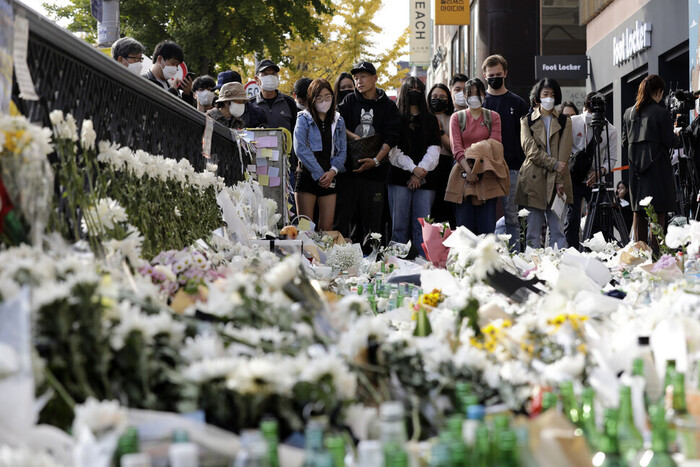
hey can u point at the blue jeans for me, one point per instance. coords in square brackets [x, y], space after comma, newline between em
[479, 219]
[510, 212]
[406, 207]
[536, 220]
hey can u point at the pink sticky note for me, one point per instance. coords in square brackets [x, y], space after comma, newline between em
[274, 181]
[262, 170]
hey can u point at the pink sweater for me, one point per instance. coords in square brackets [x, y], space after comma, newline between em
[474, 131]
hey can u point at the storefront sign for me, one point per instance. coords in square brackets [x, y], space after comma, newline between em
[631, 43]
[420, 32]
[455, 12]
[561, 66]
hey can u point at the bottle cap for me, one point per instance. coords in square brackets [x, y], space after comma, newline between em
[180, 436]
[476, 412]
[643, 340]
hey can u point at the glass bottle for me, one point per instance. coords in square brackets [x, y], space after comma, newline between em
[335, 445]
[588, 423]
[128, 444]
[549, 401]
[682, 422]
[482, 451]
[569, 403]
[658, 455]
[370, 297]
[269, 429]
[393, 431]
[629, 438]
[462, 389]
[253, 452]
[670, 370]
[458, 450]
[501, 423]
[652, 383]
[608, 454]
[507, 449]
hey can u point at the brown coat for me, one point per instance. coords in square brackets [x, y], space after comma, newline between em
[486, 160]
[538, 176]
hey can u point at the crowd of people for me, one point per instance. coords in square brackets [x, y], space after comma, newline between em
[465, 153]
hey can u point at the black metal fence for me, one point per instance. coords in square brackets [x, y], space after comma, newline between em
[74, 77]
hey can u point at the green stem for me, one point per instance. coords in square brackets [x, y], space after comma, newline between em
[59, 388]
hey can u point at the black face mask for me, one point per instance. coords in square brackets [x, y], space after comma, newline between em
[414, 97]
[495, 83]
[438, 105]
[342, 94]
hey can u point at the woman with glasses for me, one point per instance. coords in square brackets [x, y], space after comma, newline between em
[440, 104]
[410, 180]
[320, 144]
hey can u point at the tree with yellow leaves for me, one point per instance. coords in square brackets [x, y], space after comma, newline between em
[347, 39]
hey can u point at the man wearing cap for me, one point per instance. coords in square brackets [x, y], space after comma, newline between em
[362, 192]
[280, 109]
[252, 117]
[230, 106]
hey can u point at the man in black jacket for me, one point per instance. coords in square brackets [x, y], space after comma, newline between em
[167, 57]
[362, 190]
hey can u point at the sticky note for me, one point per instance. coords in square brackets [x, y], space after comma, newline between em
[263, 180]
[266, 153]
[267, 141]
[273, 171]
[275, 155]
[262, 170]
[274, 181]
[260, 161]
[251, 168]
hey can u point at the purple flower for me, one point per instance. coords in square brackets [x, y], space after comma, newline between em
[665, 262]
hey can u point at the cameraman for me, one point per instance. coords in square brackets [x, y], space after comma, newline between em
[583, 165]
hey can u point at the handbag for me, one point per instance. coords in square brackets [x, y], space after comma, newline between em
[363, 148]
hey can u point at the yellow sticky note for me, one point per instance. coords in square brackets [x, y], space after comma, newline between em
[266, 153]
[264, 180]
[304, 224]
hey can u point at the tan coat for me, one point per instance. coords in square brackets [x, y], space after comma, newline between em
[486, 159]
[538, 178]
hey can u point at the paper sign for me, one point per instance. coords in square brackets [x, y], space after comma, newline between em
[304, 224]
[263, 180]
[267, 141]
[262, 170]
[266, 153]
[273, 171]
[274, 181]
[275, 156]
[251, 168]
[206, 139]
[260, 161]
[19, 55]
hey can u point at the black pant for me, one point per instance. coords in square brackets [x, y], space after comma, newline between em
[359, 208]
[572, 227]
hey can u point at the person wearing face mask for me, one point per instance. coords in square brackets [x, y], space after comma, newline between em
[203, 90]
[647, 133]
[230, 106]
[583, 181]
[440, 104]
[410, 179]
[474, 193]
[129, 52]
[167, 57]
[459, 94]
[280, 109]
[344, 85]
[511, 109]
[321, 145]
[301, 89]
[546, 140]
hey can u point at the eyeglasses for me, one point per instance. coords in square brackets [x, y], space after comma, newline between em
[136, 59]
[320, 100]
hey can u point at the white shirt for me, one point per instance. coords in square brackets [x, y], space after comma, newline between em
[402, 161]
[583, 133]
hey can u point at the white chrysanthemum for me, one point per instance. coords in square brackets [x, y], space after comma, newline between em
[25, 457]
[316, 368]
[344, 257]
[49, 292]
[212, 167]
[284, 272]
[99, 416]
[176, 211]
[270, 374]
[56, 117]
[202, 346]
[88, 135]
[375, 236]
[355, 339]
[131, 319]
[523, 213]
[103, 216]
[646, 201]
[485, 257]
[211, 368]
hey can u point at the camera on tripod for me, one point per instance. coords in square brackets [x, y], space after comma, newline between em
[680, 103]
[597, 106]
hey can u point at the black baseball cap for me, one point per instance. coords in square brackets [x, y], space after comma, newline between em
[364, 66]
[264, 64]
[229, 76]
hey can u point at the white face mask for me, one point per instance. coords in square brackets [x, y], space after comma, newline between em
[474, 102]
[547, 103]
[587, 117]
[135, 68]
[205, 97]
[323, 107]
[269, 82]
[169, 71]
[301, 106]
[459, 99]
[236, 109]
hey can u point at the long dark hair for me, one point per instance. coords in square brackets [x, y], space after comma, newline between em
[404, 107]
[336, 85]
[647, 87]
[551, 84]
[450, 105]
[315, 88]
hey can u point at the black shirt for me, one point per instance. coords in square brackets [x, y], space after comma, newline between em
[324, 155]
[418, 132]
[510, 108]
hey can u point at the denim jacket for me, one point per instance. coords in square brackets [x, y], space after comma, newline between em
[307, 140]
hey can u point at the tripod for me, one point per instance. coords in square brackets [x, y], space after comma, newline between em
[686, 177]
[603, 212]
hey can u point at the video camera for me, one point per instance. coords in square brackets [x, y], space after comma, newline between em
[596, 104]
[680, 103]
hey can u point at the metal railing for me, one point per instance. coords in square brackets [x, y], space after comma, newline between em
[72, 76]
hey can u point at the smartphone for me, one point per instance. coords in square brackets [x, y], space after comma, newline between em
[190, 75]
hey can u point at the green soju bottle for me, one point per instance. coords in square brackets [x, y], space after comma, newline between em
[335, 444]
[549, 401]
[658, 455]
[393, 433]
[631, 441]
[458, 450]
[269, 429]
[683, 423]
[507, 449]
[608, 454]
[569, 403]
[588, 418]
[482, 449]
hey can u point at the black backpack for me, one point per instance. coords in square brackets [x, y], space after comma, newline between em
[581, 162]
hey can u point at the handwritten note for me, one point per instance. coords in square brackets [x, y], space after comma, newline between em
[262, 170]
[260, 161]
[19, 56]
[267, 141]
[275, 156]
[264, 180]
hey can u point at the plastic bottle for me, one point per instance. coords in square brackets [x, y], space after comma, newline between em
[393, 431]
[440, 452]
[652, 383]
[182, 453]
[314, 453]
[270, 429]
[128, 444]
[253, 452]
[369, 454]
[691, 270]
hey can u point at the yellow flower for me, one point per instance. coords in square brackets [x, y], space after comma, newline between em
[490, 345]
[490, 329]
[582, 348]
[506, 323]
[14, 141]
